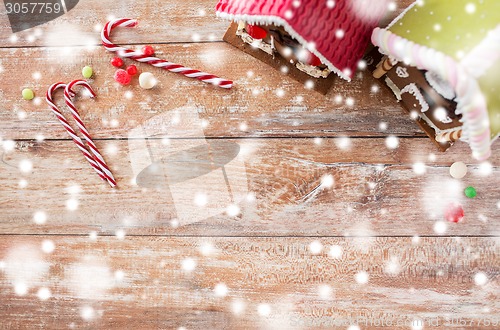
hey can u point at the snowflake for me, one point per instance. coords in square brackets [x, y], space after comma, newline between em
[315, 247]
[207, 249]
[392, 267]
[48, 246]
[201, 199]
[43, 293]
[327, 181]
[485, 169]
[233, 210]
[419, 168]
[480, 278]
[238, 306]
[72, 204]
[119, 275]
[188, 264]
[335, 252]
[325, 291]
[120, 234]
[40, 217]
[87, 313]
[343, 143]
[25, 166]
[309, 84]
[221, 290]
[264, 309]
[392, 142]
[470, 8]
[440, 227]
[362, 277]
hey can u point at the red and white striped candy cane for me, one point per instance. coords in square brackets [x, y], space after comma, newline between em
[154, 61]
[68, 94]
[50, 100]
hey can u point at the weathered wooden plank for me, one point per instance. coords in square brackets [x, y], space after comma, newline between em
[268, 187]
[170, 21]
[242, 283]
[263, 104]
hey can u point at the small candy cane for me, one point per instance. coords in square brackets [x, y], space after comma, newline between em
[69, 129]
[154, 61]
[68, 94]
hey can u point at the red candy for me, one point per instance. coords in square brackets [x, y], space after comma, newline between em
[122, 77]
[117, 62]
[454, 212]
[132, 70]
[148, 51]
[256, 32]
[314, 60]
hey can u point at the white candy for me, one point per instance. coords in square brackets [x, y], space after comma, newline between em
[147, 80]
[458, 170]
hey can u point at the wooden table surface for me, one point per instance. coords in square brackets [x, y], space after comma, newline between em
[267, 206]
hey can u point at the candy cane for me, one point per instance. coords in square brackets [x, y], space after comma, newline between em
[68, 94]
[166, 65]
[69, 129]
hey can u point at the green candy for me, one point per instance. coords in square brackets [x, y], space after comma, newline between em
[87, 72]
[470, 192]
[28, 94]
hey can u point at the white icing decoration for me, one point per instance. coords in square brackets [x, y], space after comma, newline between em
[440, 85]
[402, 72]
[413, 90]
[312, 70]
[431, 124]
[394, 88]
[369, 60]
[255, 43]
[446, 120]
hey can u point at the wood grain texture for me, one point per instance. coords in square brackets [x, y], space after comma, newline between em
[228, 187]
[274, 182]
[166, 283]
[173, 21]
[255, 101]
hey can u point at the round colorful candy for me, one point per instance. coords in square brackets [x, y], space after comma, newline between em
[148, 50]
[256, 32]
[454, 212]
[147, 80]
[117, 62]
[132, 70]
[28, 94]
[122, 77]
[458, 170]
[470, 192]
[87, 72]
[314, 60]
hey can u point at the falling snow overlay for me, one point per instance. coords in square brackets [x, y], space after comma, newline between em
[268, 205]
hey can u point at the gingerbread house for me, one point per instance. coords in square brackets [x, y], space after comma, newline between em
[309, 39]
[442, 60]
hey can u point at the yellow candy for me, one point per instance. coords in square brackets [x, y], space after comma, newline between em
[87, 72]
[28, 94]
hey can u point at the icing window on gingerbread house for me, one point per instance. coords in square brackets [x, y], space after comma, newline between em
[275, 40]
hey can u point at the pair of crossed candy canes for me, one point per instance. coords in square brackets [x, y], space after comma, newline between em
[93, 156]
[154, 61]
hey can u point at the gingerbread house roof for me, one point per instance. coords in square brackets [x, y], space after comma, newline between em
[338, 32]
